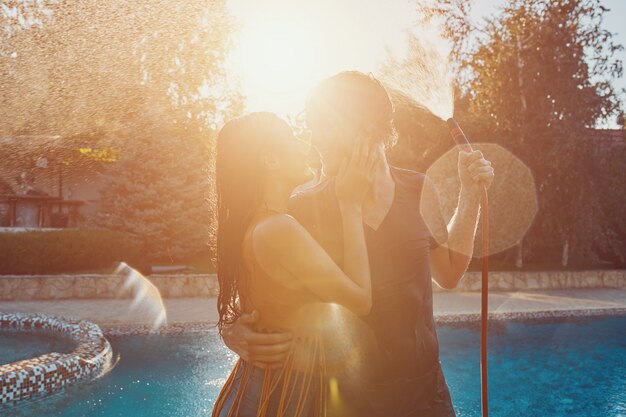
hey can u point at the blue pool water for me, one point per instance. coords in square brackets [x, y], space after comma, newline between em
[19, 346]
[567, 368]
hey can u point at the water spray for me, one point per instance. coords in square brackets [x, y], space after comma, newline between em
[145, 295]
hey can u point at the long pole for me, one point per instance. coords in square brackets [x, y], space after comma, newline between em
[484, 305]
[460, 138]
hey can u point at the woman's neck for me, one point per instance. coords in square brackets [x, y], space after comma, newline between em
[275, 196]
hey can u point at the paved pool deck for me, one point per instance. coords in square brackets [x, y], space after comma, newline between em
[447, 305]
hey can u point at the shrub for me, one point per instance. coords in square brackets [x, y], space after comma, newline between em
[68, 250]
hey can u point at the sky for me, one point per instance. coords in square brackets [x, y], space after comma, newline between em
[285, 46]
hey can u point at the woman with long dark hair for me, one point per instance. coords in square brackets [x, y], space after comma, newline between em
[268, 262]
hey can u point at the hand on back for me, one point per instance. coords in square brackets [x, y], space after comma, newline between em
[263, 350]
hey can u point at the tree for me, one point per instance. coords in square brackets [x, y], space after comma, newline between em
[543, 76]
[159, 190]
[144, 85]
[537, 78]
[70, 67]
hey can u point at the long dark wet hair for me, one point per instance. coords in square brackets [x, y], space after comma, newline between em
[239, 173]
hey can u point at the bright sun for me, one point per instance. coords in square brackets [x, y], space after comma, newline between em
[277, 64]
[283, 47]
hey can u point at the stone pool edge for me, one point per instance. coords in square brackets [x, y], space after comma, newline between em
[129, 329]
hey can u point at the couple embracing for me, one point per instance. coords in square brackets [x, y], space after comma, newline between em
[326, 293]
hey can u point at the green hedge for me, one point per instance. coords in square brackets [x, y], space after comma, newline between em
[65, 251]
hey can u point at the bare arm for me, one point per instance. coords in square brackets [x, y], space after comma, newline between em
[285, 249]
[449, 261]
[355, 256]
[282, 245]
[448, 265]
[269, 350]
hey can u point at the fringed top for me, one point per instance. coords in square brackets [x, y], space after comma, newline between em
[301, 382]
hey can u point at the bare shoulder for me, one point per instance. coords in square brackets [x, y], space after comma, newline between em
[275, 240]
[277, 231]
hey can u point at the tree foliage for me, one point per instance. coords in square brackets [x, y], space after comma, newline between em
[543, 78]
[537, 78]
[72, 67]
[159, 190]
[142, 85]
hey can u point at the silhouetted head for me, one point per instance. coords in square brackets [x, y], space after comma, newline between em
[347, 106]
[254, 152]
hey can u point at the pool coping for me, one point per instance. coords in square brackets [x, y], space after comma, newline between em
[46, 374]
[130, 329]
[532, 315]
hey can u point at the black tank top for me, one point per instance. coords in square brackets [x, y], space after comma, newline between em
[403, 364]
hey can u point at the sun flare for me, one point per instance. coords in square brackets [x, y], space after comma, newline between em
[283, 48]
[277, 63]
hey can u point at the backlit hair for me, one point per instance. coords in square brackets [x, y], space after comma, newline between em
[239, 175]
[352, 98]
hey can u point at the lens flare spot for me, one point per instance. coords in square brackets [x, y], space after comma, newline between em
[512, 197]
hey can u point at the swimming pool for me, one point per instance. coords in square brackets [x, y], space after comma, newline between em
[19, 346]
[571, 368]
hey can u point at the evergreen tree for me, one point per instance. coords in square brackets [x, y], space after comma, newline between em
[159, 191]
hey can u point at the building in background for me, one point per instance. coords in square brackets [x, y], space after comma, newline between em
[47, 182]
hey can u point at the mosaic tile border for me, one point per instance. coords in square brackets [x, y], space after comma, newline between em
[51, 372]
[442, 319]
